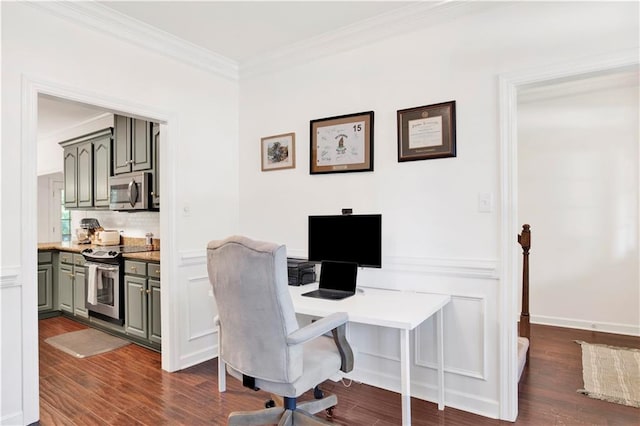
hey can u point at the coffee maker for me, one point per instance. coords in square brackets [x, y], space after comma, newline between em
[88, 227]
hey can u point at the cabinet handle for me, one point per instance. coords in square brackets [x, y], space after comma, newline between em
[71, 276]
[148, 291]
[134, 269]
[141, 290]
[157, 271]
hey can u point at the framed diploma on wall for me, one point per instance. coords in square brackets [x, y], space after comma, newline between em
[342, 144]
[427, 132]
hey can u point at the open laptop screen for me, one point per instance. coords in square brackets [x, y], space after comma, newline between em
[338, 275]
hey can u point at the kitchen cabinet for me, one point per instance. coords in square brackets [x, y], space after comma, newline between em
[101, 170]
[71, 286]
[78, 179]
[142, 301]
[87, 167]
[45, 281]
[155, 194]
[132, 145]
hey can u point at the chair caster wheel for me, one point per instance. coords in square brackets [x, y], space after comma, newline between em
[329, 412]
[270, 404]
[317, 393]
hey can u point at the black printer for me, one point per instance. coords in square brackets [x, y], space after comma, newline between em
[301, 271]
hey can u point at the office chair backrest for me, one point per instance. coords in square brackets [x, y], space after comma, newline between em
[250, 285]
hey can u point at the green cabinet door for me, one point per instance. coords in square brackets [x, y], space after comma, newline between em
[84, 184]
[121, 144]
[132, 145]
[136, 306]
[70, 168]
[140, 145]
[101, 171]
[45, 287]
[65, 288]
[155, 333]
[80, 293]
[155, 195]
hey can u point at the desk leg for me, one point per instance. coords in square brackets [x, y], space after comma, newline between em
[222, 371]
[405, 381]
[440, 349]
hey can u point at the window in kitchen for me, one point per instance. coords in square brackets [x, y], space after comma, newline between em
[65, 220]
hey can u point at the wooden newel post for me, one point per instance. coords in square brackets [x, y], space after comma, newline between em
[525, 241]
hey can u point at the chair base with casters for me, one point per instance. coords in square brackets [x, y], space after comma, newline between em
[291, 414]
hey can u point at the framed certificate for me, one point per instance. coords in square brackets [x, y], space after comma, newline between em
[427, 132]
[342, 144]
[278, 152]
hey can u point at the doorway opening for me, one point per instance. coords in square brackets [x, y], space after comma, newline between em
[510, 85]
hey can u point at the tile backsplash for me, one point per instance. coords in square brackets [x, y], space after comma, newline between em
[135, 224]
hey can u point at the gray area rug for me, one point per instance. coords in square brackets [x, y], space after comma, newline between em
[86, 343]
[611, 373]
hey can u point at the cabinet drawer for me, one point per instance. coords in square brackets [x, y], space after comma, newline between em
[153, 270]
[78, 259]
[66, 257]
[44, 257]
[132, 267]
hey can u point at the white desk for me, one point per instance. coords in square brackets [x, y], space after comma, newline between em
[386, 308]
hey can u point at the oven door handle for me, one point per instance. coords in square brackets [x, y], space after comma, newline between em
[101, 267]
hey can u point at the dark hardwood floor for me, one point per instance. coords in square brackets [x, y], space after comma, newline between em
[127, 387]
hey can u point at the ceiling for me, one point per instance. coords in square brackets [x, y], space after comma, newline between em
[240, 30]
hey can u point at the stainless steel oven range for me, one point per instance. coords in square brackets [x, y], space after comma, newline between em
[104, 281]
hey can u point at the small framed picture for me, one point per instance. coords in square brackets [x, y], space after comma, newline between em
[427, 132]
[279, 152]
[342, 144]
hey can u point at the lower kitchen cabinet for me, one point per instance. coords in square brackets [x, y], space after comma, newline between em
[45, 282]
[79, 290]
[142, 301]
[71, 289]
[153, 305]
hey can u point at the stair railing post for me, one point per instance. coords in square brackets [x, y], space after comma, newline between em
[525, 241]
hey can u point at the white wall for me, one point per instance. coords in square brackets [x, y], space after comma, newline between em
[47, 201]
[202, 113]
[434, 237]
[578, 188]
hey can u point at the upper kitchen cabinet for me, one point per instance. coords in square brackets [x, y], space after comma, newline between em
[87, 166]
[155, 194]
[132, 145]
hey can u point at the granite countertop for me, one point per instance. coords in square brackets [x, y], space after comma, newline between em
[151, 256]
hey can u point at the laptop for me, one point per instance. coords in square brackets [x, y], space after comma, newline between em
[337, 280]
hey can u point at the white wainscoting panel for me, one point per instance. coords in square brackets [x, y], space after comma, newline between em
[465, 355]
[11, 348]
[198, 335]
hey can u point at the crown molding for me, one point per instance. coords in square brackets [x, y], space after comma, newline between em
[98, 17]
[399, 21]
[410, 18]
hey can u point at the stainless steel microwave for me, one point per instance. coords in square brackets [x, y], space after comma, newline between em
[130, 192]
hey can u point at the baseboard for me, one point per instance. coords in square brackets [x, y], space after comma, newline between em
[604, 327]
[198, 357]
[471, 403]
[16, 418]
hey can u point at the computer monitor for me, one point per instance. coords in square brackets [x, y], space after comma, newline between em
[346, 238]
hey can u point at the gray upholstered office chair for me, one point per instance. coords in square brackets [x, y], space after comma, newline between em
[260, 340]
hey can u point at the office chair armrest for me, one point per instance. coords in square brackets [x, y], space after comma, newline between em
[336, 323]
[317, 328]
